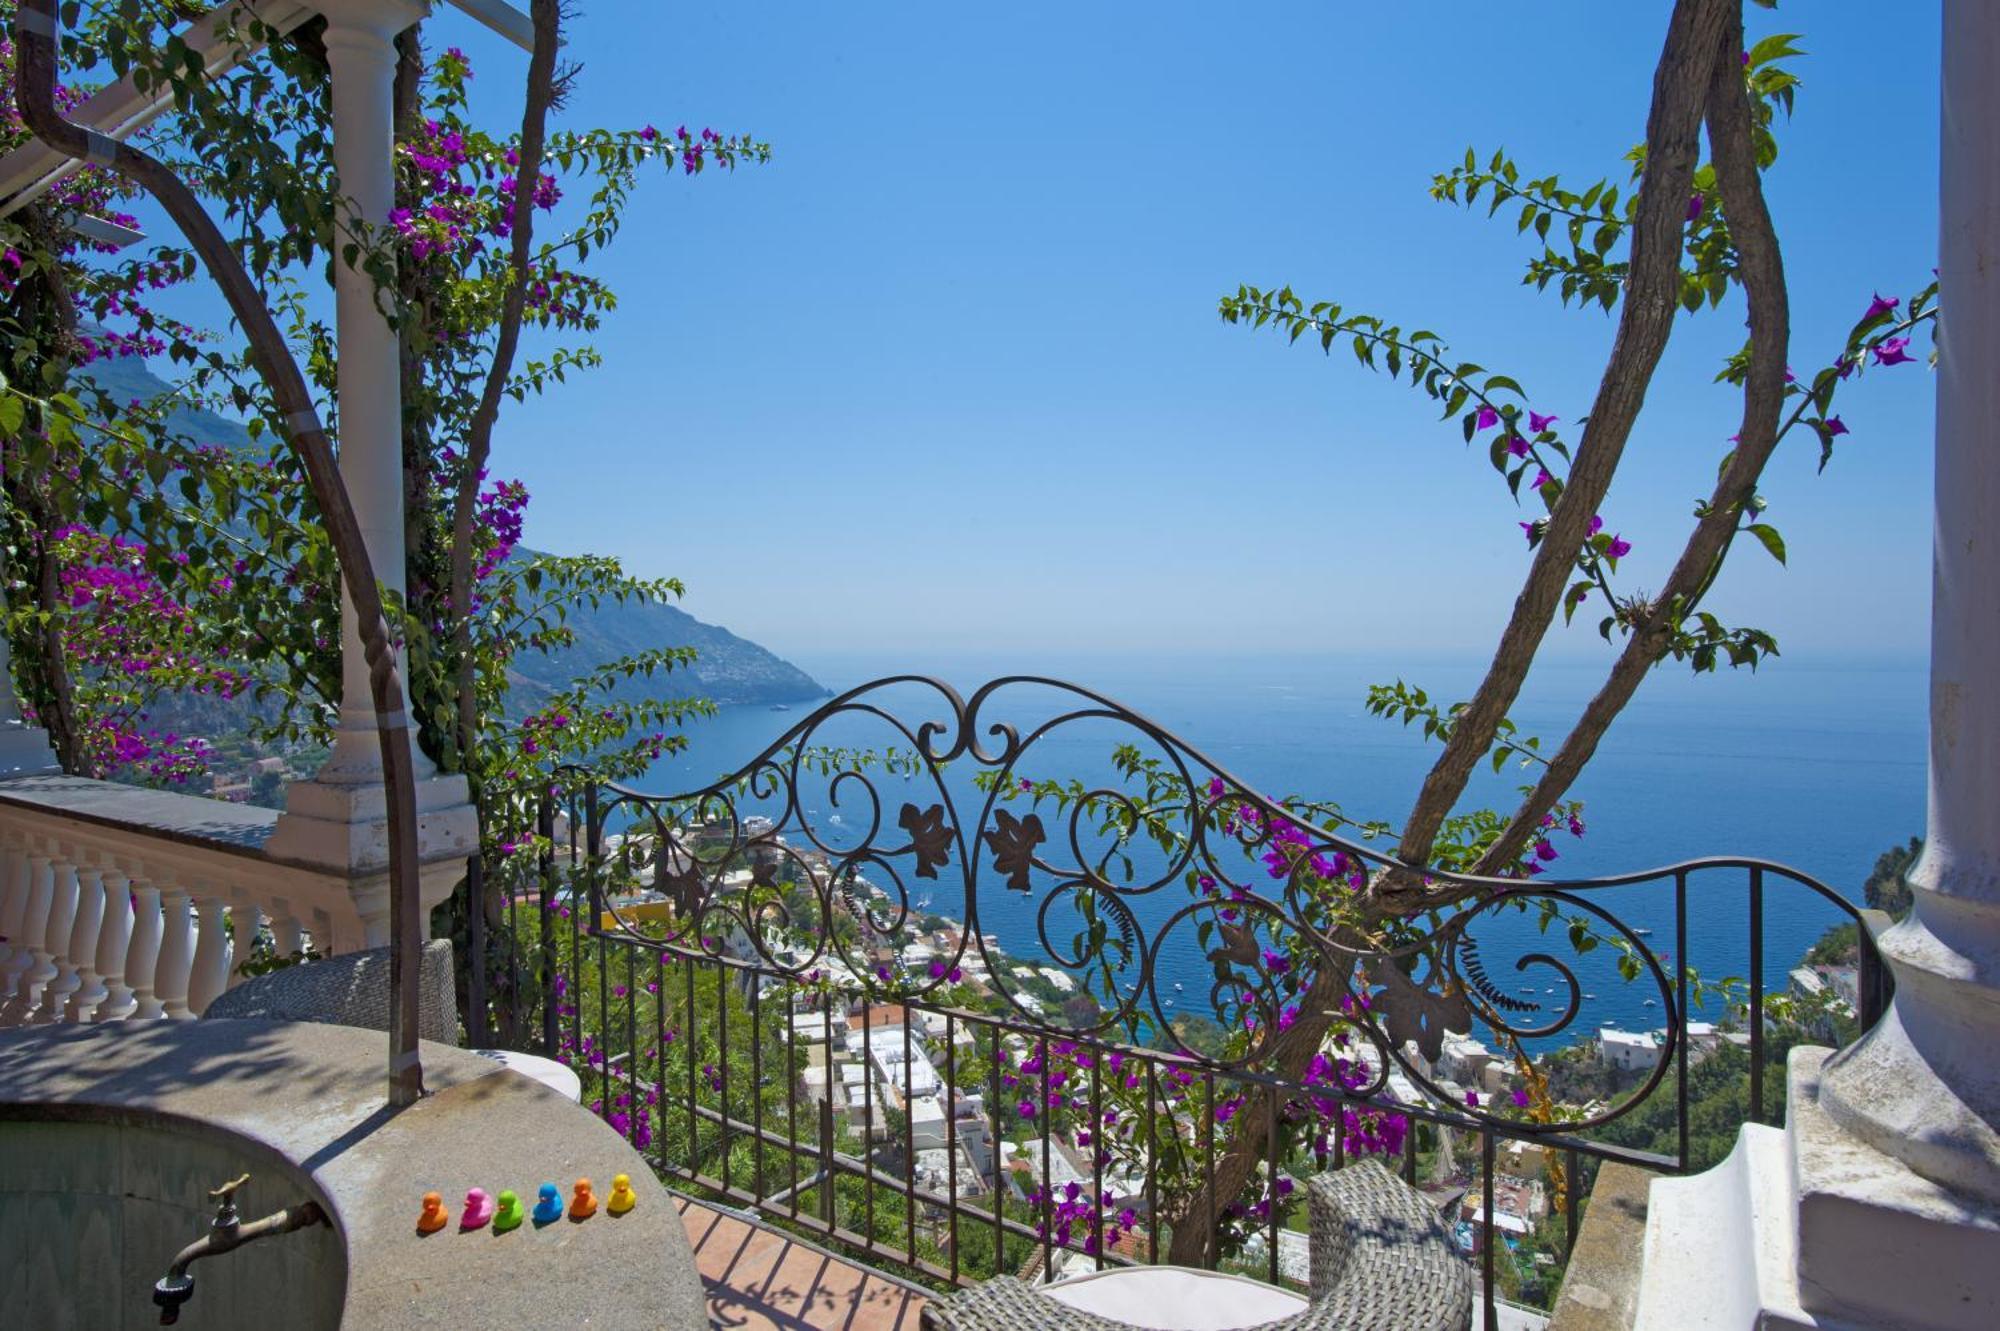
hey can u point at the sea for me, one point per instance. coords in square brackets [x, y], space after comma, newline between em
[1818, 766]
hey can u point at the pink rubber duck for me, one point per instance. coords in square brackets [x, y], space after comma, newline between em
[478, 1209]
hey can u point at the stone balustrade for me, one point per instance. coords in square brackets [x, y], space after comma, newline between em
[118, 902]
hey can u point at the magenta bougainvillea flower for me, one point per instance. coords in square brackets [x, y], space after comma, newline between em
[1880, 306]
[1538, 422]
[1892, 351]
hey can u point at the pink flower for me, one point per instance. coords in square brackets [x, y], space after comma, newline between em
[1487, 419]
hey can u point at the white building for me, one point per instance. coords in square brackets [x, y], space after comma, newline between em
[1629, 1051]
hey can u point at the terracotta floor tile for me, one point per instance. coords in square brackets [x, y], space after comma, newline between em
[759, 1278]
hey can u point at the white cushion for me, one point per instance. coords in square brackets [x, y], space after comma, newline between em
[547, 1071]
[1176, 1298]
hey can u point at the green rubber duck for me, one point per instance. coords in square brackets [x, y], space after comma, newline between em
[509, 1215]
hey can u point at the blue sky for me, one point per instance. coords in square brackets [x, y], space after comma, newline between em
[947, 373]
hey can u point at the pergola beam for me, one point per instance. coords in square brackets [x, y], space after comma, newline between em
[120, 110]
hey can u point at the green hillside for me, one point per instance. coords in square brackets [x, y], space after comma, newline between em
[727, 669]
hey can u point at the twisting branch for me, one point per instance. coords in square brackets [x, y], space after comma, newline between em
[542, 92]
[35, 97]
[1673, 142]
[1761, 268]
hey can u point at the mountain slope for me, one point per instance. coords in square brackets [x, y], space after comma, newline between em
[727, 669]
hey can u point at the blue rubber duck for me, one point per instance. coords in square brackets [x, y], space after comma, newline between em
[549, 1205]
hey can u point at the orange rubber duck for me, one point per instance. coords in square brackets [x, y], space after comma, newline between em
[434, 1216]
[582, 1204]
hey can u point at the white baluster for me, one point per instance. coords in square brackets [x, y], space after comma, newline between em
[14, 956]
[245, 924]
[26, 993]
[288, 936]
[211, 956]
[114, 942]
[144, 953]
[62, 923]
[89, 990]
[170, 976]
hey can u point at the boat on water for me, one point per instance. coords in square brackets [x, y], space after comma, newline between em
[1643, 933]
[1590, 995]
[1651, 1003]
[780, 707]
[1178, 986]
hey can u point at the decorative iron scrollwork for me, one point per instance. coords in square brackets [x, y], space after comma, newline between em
[828, 882]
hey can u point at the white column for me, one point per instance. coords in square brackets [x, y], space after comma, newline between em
[27, 990]
[1878, 1203]
[288, 936]
[170, 974]
[14, 957]
[361, 55]
[245, 924]
[1924, 1086]
[114, 945]
[89, 991]
[26, 993]
[338, 820]
[144, 953]
[62, 923]
[210, 973]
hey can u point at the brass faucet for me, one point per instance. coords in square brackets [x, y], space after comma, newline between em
[225, 1233]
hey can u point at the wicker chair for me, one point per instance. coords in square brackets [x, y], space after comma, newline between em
[1381, 1261]
[351, 989]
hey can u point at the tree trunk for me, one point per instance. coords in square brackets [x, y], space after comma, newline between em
[1646, 318]
[1689, 69]
[1741, 189]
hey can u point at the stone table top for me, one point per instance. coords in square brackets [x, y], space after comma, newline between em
[313, 1094]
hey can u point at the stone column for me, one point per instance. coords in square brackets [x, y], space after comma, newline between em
[1924, 1086]
[143, 954]
[26, 991]
[114, 945]
[62, 924]
[338, 820]
[13, 907]
[83, 941]
[1878, 1203]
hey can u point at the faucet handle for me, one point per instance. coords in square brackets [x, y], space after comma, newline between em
[227, 1192]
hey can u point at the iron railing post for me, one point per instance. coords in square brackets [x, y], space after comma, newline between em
[826, 1156]
[475, 943]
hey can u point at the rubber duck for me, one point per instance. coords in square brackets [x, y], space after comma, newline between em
[509, 1215]
[583, 1204]
[478, 1209]
[621, 1199]
[549, 1208]
[434, 1215]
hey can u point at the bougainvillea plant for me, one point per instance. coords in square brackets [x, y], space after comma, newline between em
[227, 535]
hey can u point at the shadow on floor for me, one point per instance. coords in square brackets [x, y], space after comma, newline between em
[759, 1278]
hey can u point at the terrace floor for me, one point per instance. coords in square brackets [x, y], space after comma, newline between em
[757, 1278]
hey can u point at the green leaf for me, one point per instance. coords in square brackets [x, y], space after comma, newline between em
[1773, 542]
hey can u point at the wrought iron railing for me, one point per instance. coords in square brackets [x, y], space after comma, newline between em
[688, 954]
